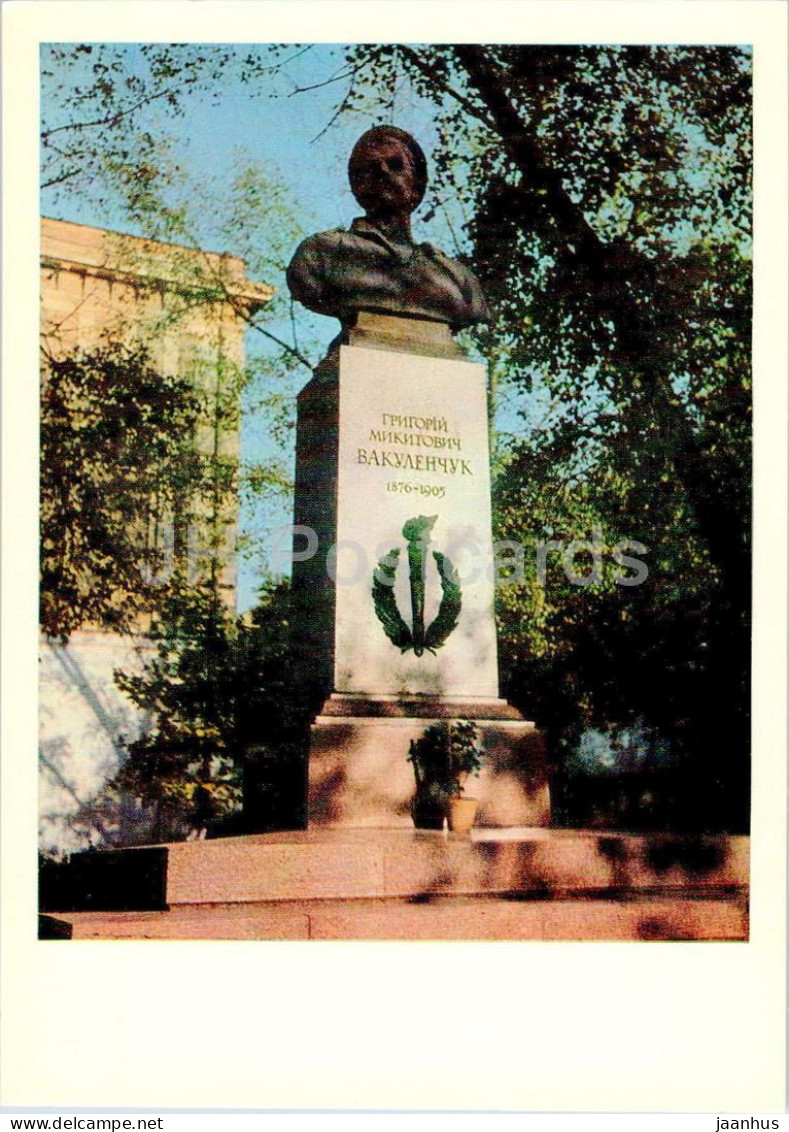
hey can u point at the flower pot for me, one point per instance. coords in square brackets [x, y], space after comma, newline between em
[461, 813]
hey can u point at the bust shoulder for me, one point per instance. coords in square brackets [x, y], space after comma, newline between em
[320, 244]
[307, 271]
[344, 270]
[477, 309]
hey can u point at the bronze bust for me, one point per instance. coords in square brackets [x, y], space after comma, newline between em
[376, 265]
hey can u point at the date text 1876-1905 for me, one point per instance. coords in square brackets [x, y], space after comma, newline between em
[426, 490]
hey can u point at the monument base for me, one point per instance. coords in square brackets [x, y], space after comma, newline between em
[360, 777]
[509, 884]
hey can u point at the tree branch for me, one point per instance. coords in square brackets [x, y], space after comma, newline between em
[112, 119]
[611, 270]
[430, 72]
[527, 154]
[284, 345]
[240, 310]
[60, 179]
[325, 82]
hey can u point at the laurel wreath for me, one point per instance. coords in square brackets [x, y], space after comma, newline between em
[449, 610]
[389, 616]
[385, 604]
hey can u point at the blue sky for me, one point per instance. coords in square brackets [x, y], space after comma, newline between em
[273, 123]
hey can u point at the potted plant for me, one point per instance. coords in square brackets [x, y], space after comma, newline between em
[443, 758]
[465, 759]
[427, 758]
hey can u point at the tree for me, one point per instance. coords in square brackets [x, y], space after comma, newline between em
[98, 147]
[225, 736]
[136, 442]
[117, 454]
[104, 142]
[612, 257]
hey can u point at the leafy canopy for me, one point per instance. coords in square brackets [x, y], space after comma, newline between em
[117, 458]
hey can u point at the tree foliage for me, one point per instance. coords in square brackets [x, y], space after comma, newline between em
[104, 111]
[224, 728]
[108, 145]
[117, 459]
[107, 140]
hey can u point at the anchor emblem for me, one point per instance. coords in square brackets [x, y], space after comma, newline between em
[417, 534]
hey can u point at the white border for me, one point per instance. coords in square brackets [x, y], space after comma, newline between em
[677, 1027]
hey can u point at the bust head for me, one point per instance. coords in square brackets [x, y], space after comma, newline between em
[388, 173]
[376, 265]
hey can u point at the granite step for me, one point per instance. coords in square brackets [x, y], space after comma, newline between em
[436, 918]
[367, 864]
[411, 884]
[356, 864]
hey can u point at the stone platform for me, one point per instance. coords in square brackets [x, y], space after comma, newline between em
[406, 884]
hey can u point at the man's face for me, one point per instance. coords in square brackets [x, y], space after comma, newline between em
[383, 179]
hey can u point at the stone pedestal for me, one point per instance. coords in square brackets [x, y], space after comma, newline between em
[359, 774]
[394, 577]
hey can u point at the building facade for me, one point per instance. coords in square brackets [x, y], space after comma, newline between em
[189, 309]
